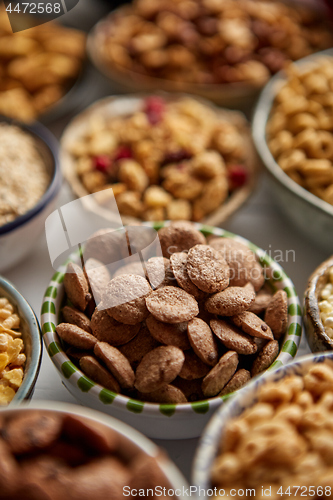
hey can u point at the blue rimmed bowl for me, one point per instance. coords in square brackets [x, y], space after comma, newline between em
[165, 421]
[31, 337]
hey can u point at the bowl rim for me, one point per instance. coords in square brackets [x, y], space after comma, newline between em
[42, 134]
[245, 398]
[259, 122]
[31, 374]
[49, 317]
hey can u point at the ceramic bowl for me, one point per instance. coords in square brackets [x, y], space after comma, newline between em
[317, 338]
[18, 238]
[246, 397]
[312, 215]
[165, 421]
[31, 336]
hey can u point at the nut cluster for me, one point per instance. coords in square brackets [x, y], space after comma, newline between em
[325, 304]
[193, 324]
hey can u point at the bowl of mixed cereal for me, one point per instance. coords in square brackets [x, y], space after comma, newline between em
[20, 346]
[274, 438]
[163, 340]
[292, 131]
[30, 182]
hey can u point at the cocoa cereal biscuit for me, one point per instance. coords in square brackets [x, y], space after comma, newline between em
[240, 378]
[117, 364]
[132, 268]
[233, 338]
[76, 286]
[9, 471]
[172, 305]
[202, 341]
[76, 354]
[253, 325]
[168, 394]
[89, 434]
[179, 236]
[147, 475]
[159, 273]
[193, 367]
[89, 310]
[139, 346]
[75, 336]
[107, 329]
[173, 334]
[207, 269]
[261, 302]
[233, 300]
[219, 376]
[107, 245]
[91, 367]
[191, 388]
[276, 315]
[76, 317]
[124, 298]
[98, 277]
[257, 277]
[158, 368]
[178, 263]
[265, 357]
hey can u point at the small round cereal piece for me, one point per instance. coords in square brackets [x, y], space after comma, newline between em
[138, 347]
[159, 273]
[178, 263]
[253, 325]
[240, 378]
[168, 394]
[174, 334]
[98, 277]
[233, 338]
[117, 364]
[91, 367]
[193, 367]
[124, 298]
[233, 300]
[75, 317]
[132, 268]
[172, 305]
[219, 376]
[202, 341]
[158, 368]
[178, 237]
[265, 357]
[261, 302]
[76, 286]
[276, 315]
[207, 269]
[75, 336]
[107, 246]
[191, 388]
[107, 329]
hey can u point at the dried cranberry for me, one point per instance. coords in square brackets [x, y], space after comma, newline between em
[176, 156]
[154, 108]
[123, 152]
[102, 163]
[238, 176]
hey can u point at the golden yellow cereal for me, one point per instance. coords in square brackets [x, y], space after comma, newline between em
[6, 395]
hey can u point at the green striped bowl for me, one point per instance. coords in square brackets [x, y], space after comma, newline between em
[165, 421]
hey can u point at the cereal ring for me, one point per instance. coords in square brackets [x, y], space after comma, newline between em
[233, 300]
[75, 336]
[75, 317]
[158, 368]
[159, 273]
[91, 367]
[172, 305]
[174, 334]
[233, 338]
[98, 277]
[117, 364]
[179, 236]
[124, 299]
[253, 325]
[76, 286]
[193, 367]
[168, 394]
[138, 347]
[261, 302]
[107, 329]
[219, 376]
[265, 357]
[178, 263]
[202, 341]
[238, 380]
[207, 269]
[276, 315]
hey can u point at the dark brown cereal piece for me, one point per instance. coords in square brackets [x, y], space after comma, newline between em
[75, 336]
[233, 300]
[107, 329]
[257, 277]
[91, 306]
[70, 453]
[98, 277]
[158, 368]
[178, 263]
[146, 474]
[178, 237]
[219, 376]
[233, 338]
[168, 394]
[117, 364]
[193, 367]
[276, 315]
[76, 286]
[207, 269]
[253, 325]
[132, 268]
[240, 378]
[91, 367]
[261, 302]
[173, 334]
[76, 354]
[75, 317]
[202, 341]
[172, 305]
[159, 273]
[90, 434]
[191, 388]
[107, 246]
[43, 477]
[138, 347]
[9, 472]
[124, 298]
[265, 357]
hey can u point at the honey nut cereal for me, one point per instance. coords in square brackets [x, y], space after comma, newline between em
[174, 158]
[148, 338]
[325, 304]
[285, 439]
[12, 357]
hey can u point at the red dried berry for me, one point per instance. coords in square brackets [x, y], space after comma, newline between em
[123, 152]
[102, 163]
[176, 156]
[238, 176]
[154, 108]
